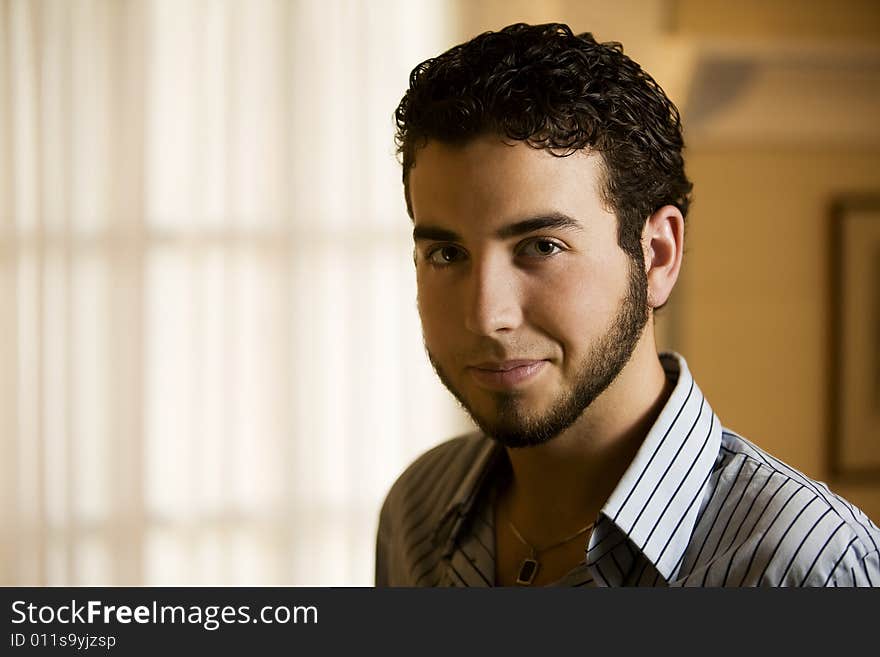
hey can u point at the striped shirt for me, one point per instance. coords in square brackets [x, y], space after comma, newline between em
[698, 506]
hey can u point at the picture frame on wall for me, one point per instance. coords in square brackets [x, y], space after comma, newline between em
[854, 445]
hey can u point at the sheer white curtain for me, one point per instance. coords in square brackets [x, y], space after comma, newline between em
[210, 356]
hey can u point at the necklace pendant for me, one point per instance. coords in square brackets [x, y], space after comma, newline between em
[527, 571]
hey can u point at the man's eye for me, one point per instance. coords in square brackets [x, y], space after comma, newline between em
[540, 248]
[444, 255]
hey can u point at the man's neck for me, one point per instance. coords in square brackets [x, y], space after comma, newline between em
[559, 486]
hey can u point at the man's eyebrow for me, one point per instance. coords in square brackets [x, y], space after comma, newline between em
[552, 220]
[435, 233]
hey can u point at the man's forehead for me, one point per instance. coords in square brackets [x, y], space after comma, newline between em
[500, 182]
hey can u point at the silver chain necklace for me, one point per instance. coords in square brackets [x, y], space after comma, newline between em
[528, 569]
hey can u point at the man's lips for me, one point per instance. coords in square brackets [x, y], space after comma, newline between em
[502, 375]
[503, 366]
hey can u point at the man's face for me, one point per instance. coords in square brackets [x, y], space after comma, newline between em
[529, 307]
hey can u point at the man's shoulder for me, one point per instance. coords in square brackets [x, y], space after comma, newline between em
[743, 456]
[408, 546]
[441, 467]
[782, 524]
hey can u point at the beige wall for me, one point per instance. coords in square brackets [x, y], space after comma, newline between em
[775, 19]
[754, 296]
[753, 309]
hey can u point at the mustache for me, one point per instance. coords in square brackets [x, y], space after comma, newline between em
[496, 351]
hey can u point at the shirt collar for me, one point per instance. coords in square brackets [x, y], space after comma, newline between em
[657, 501]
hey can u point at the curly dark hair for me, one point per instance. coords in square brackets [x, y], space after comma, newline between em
[554, 90]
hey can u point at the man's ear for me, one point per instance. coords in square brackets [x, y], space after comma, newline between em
[663, 245]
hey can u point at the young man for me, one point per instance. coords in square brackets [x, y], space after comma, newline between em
[544, 177]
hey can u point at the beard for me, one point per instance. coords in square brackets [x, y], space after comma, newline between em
[513, 426]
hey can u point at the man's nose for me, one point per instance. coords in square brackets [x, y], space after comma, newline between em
[492, 298]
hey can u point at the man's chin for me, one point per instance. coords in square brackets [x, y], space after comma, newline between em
[518, 437]
[515, 431]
